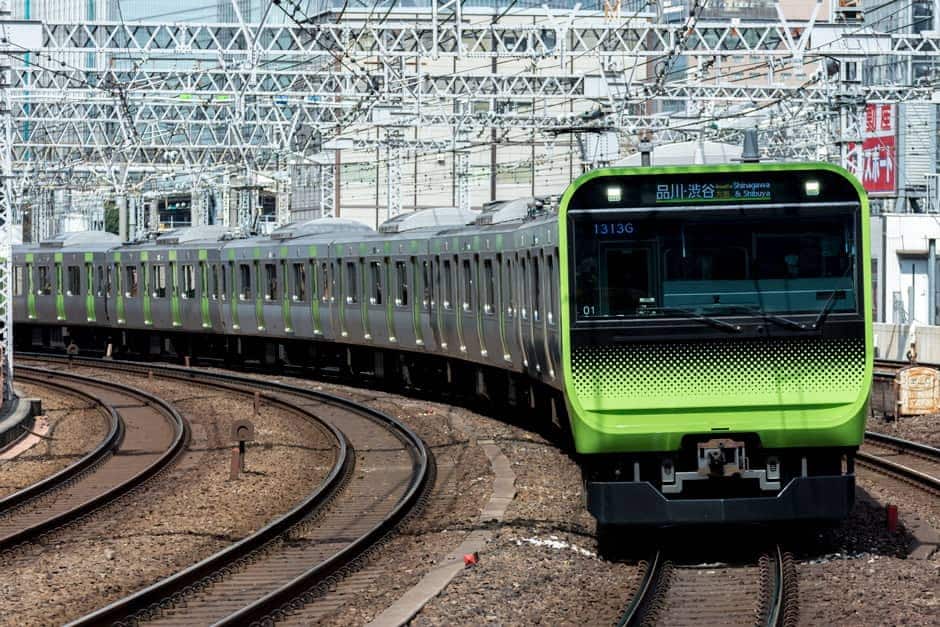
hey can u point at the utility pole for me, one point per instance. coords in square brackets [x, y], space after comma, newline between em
[6, 215]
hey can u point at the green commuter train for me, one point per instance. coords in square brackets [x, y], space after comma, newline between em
[703, 333]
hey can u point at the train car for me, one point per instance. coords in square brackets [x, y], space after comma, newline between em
[702, 334]
[717, 347]
[63, 280]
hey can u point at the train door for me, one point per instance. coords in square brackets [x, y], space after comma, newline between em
[553, 348]
[376, 322]
[449, 330]
[470, 340]
[522, 320]
[537, 335]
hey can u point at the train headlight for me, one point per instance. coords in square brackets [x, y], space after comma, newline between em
[614, 193]
[812, 188]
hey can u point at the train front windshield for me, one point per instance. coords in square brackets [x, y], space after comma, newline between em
[779, 262]
[714, 260]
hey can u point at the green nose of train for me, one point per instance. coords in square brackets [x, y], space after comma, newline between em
[718, 352]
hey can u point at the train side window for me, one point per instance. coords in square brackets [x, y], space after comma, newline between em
[300, 282]
[375, 269]
[270, 281]
[448, 285]
[467, 277]
[214, 294]
[189, 281]
[524, 284]
[17, 280]
[102, 285]
[550, 304]
[352, 283]
[245, 274]
[224, 278]
[89, 280]
[132, 281]
[536, 289]
[113, 277]
[401, 281]
[325, 293]
[74, 281]
[509, 292]
[159, 280]
[489, 287]
[45, 283]
[427, 298]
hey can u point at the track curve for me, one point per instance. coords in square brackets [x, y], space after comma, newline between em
[386, 471]
[145, 436]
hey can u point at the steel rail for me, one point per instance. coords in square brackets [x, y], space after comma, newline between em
[907, 446]
[155, 597]
[111, 440]
[163, 460]
[654, 584]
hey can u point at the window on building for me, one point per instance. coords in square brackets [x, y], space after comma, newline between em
[132, 281]
[244, 270]
[401, 282]
[375, 269]
[270, 281]
[300, 282]
[352, 283]
[74, 280]
[189, 281]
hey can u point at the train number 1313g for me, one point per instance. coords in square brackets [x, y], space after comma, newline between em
[613, 228]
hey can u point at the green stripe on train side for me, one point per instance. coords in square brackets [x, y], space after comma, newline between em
[31, 292]
[174, 267]
[203, 255]
[59, 288]
[144, 280]
[259, 297]
[286, 291]
[117, 291]
[233, 300]
[315, 288]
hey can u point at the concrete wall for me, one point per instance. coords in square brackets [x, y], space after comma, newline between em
[893, 341]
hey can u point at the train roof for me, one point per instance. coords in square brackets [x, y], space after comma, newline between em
[90, 241]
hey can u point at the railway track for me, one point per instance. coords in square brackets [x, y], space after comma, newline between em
[145, 436]
[911, 462]
[381, 473]
[761, 592]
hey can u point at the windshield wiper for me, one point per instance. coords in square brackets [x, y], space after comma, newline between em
[784, 322]
[824, 312]
[692, 315]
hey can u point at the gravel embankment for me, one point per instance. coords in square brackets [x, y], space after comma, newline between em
[922, 429]
[541, 564]
[74, 430]
[185, 515]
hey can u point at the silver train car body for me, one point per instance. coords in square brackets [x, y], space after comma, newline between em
[428, 284]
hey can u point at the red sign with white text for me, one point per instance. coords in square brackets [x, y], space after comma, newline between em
[875, 162]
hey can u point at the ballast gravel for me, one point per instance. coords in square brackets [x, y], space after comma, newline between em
[182, 516]
[923, 429]
[74, 430]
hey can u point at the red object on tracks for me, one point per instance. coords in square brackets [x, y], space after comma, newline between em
[471, 559]
[892, 517]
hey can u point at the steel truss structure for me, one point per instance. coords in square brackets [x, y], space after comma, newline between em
[126, 109]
